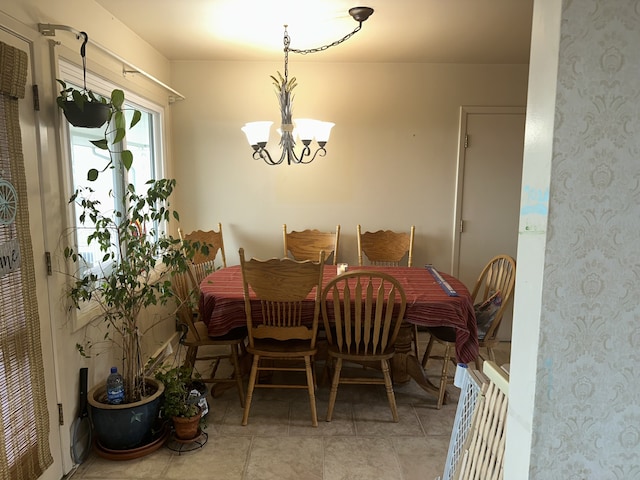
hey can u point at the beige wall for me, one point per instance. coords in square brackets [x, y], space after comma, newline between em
[391, 159]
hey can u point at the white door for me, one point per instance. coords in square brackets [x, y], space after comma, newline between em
[488, 196]
[31, 161]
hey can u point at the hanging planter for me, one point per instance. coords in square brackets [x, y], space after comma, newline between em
[89, 115]
[83, 108]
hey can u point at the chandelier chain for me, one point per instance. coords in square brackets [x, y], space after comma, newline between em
[324, 47]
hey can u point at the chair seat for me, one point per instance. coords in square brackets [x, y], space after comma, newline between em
[236, 335]
[280, 348]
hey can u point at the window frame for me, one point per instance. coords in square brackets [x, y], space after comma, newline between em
[72, 74]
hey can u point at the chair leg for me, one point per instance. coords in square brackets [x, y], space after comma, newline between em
[427, 352]
[252, 384]
[334, 388]
[237, 373]
[214, 368]
[190, 357]
[492, 354]
[444, 376]
[313, 371]
[389, 387]
[311, 386]
[479, 361]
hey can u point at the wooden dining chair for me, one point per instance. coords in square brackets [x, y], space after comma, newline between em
[491, 295]
[388, 248]
[361, 327]
[204, 261]
[385, 247]
[285, 324]
[498, 276]
[307, 244]
[195, 336]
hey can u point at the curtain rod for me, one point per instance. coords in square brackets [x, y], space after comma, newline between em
[49, 30]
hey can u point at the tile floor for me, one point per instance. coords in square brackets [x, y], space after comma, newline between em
[361, 442]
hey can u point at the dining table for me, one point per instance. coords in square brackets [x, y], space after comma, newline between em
[434, 299]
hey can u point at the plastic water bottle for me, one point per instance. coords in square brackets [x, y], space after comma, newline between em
[115, 387]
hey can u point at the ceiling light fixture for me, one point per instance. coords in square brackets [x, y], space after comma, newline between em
[305, 129]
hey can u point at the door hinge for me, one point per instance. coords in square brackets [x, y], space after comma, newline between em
[461, 226]
[60, 415]
[466, 140]
[36, 98]
[47, 258]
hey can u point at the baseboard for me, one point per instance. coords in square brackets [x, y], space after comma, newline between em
[162, 354]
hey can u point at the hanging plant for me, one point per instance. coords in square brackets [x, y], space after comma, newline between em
[81, 107]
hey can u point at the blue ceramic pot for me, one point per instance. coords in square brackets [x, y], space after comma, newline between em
[124, 426]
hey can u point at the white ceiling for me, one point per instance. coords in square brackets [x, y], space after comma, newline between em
[433, 31]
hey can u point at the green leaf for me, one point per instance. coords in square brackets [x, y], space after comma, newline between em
[136, 118]
[127, 158]
[101, 144]
[117, 99]
[121, 127]
[92, 175]
[78, 99]
[120, 134]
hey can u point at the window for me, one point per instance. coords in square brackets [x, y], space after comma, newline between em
[143, 141]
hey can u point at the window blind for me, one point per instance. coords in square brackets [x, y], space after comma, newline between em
[24, 432]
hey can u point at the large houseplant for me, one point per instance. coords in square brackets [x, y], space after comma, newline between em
[138, 261]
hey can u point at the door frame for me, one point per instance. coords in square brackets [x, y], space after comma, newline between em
[33, 42]
[465, 111]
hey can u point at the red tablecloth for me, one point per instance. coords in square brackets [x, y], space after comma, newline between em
[222, 303]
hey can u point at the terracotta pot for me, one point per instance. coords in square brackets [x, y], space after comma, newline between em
[187, 428]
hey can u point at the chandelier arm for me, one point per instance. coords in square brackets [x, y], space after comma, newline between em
[319, 152]
[263, 154]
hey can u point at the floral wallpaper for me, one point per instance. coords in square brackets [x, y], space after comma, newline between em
[586, 423]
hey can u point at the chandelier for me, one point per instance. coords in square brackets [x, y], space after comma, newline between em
[305, 129]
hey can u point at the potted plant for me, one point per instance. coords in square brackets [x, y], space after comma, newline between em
[178, 404]
[81, 107]
[138, 260]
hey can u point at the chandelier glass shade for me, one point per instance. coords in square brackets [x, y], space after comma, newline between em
[304, 130]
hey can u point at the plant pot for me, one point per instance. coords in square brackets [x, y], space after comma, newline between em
[201, 400]
[93, 115]
[187, 428]
[124, 426]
